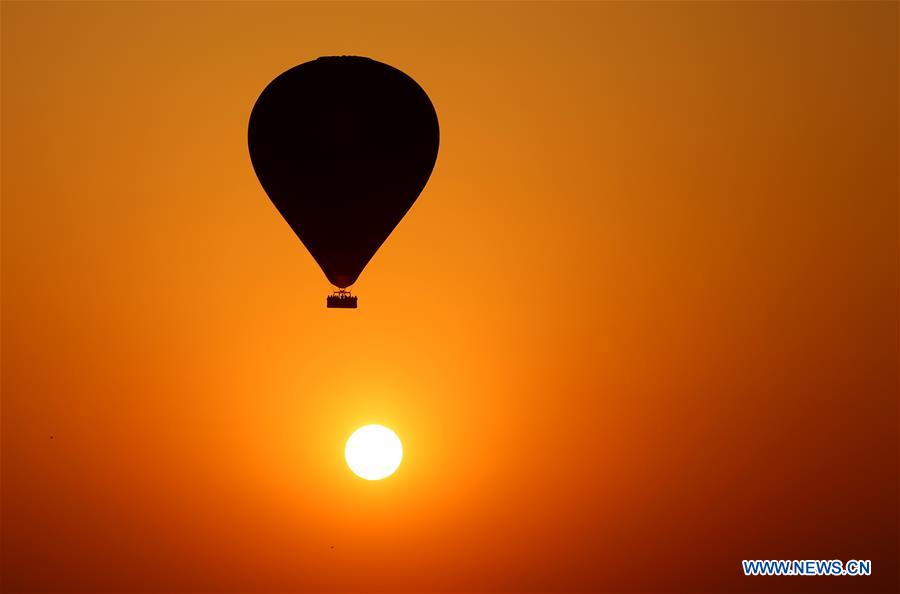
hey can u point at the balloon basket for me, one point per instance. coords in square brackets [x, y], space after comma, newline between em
[341, 300]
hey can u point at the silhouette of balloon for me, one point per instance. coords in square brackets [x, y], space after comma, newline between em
[343, 146]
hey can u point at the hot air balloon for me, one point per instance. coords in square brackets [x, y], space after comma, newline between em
[343, 145]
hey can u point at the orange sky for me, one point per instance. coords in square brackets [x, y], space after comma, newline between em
[641, 324]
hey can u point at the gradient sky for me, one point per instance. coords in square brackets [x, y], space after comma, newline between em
[641, 324]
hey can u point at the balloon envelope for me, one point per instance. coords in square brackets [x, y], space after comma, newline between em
[343, 146]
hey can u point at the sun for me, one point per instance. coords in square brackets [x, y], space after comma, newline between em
[373, 452]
